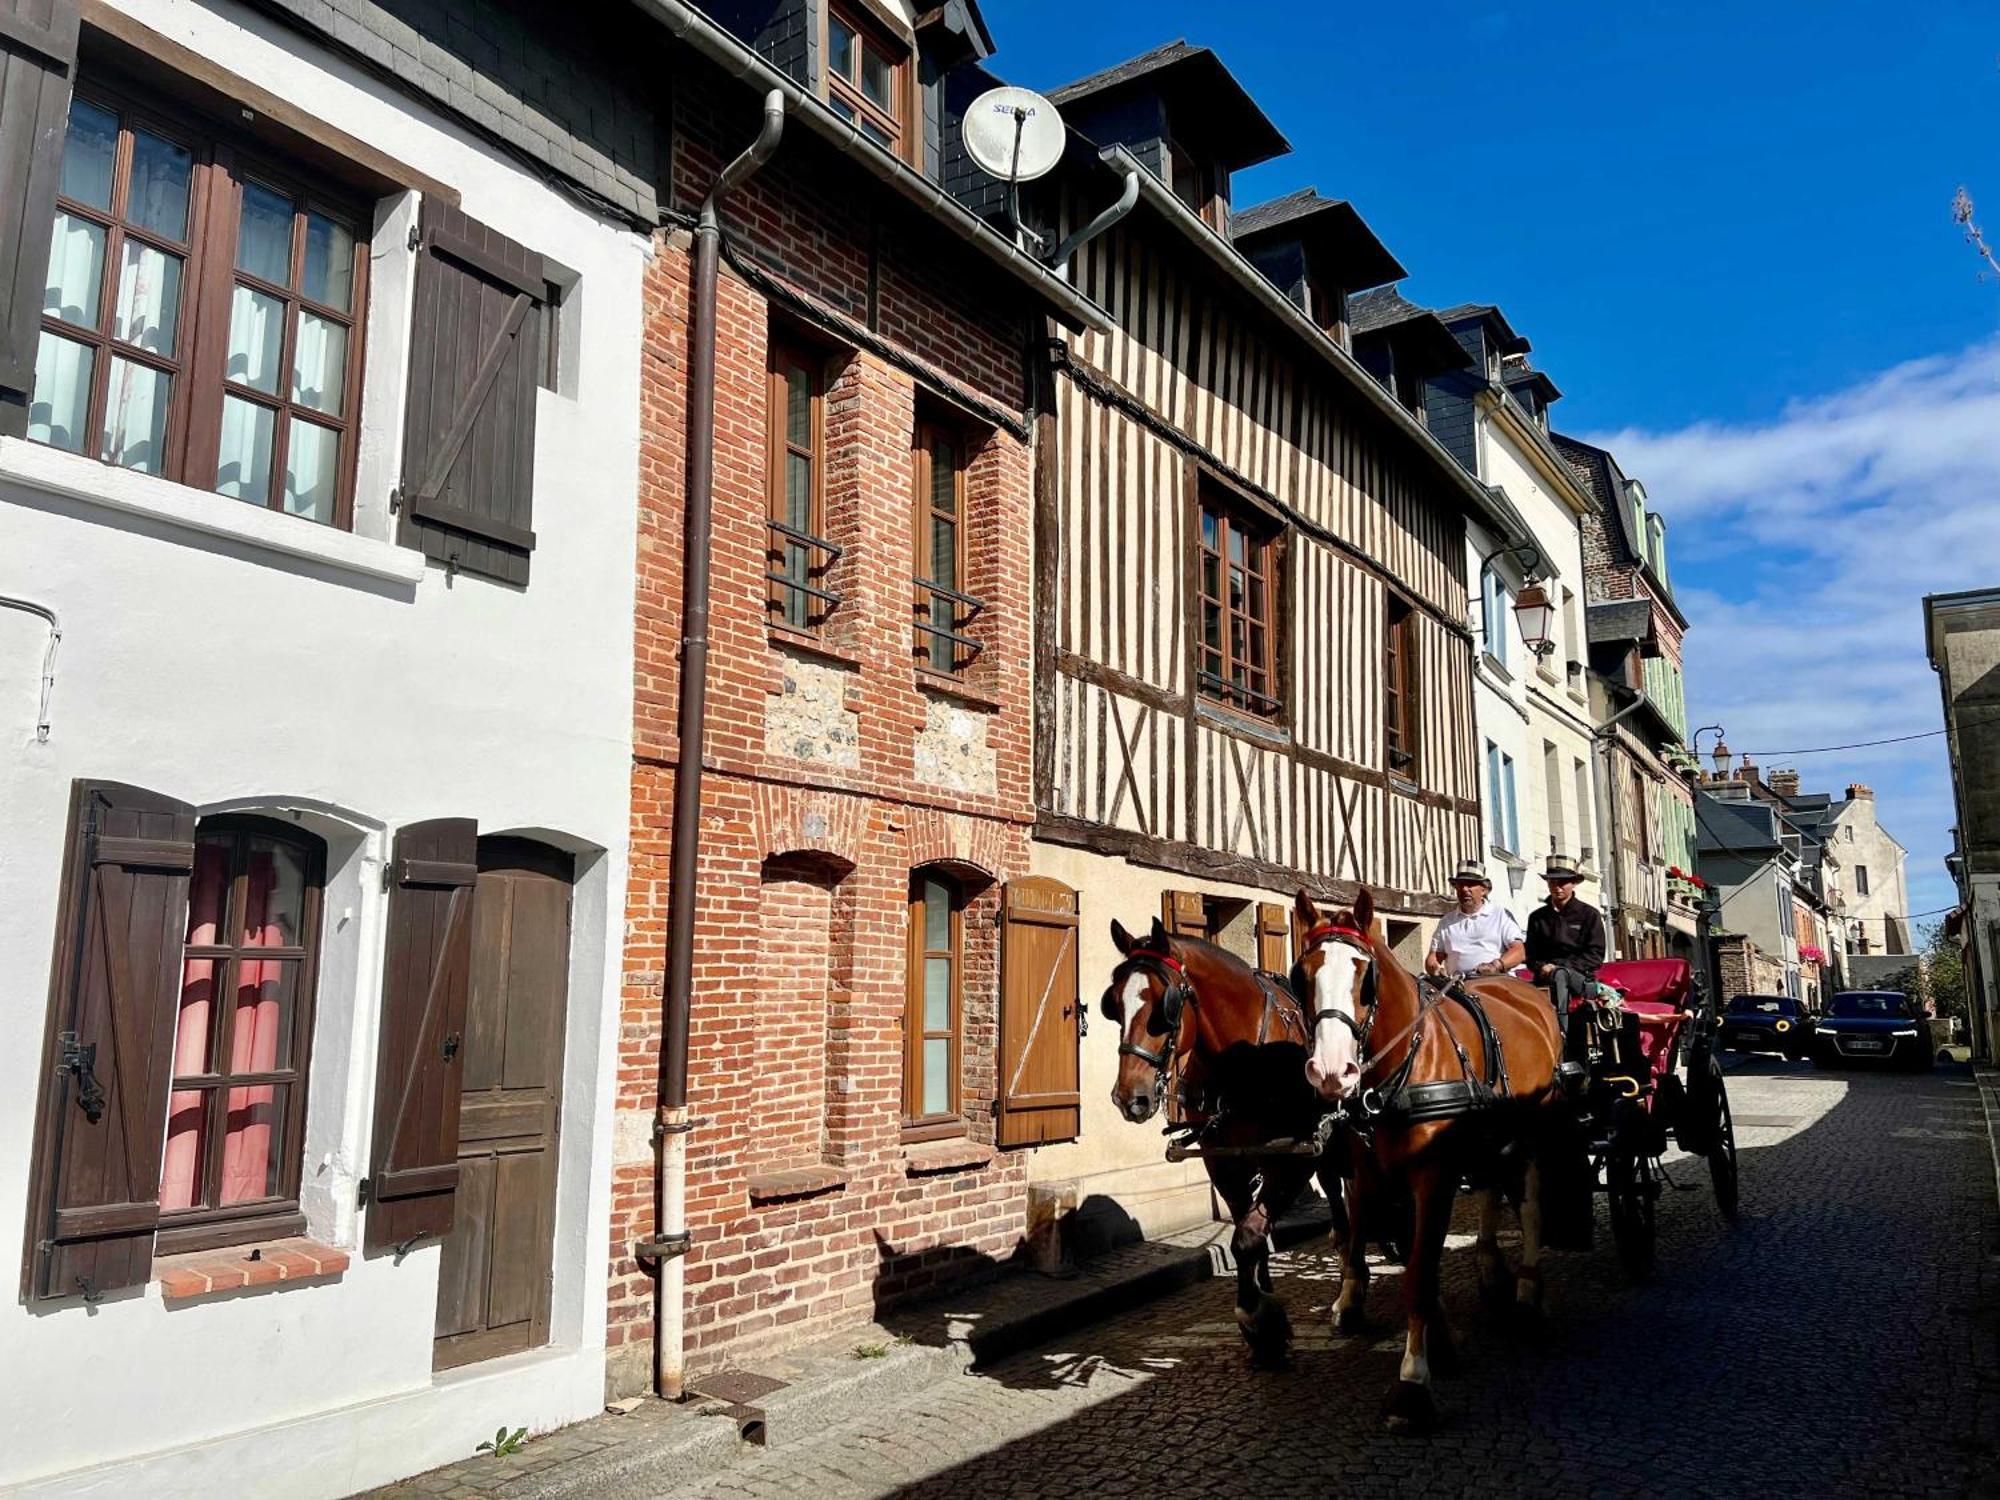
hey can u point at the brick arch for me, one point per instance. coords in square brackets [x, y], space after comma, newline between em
[971, 846]
[802, 821]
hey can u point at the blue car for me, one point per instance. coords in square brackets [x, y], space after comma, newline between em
[1875, 1026]
[1767, 1023]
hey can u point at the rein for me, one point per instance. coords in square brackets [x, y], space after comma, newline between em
[1172, 973]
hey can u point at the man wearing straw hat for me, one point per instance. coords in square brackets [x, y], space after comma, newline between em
[1478, 938]
[1565, 938]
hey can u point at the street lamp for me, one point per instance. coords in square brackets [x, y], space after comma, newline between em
[1719, 756]
[1535, 613]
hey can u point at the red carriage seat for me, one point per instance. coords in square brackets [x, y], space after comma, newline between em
[1656, 991]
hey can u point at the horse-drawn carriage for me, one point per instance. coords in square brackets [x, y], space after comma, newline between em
[1635, 1097]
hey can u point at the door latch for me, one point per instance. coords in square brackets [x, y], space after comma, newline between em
[451, 1041]
[79, 1060]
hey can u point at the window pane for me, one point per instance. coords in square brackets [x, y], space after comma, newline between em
[63, 369]
[798, 491]
[319, 364]
[244, 471]
[329, 263]
[840, 48]
[250, 1151]
[135, 417]
[944, 478]
[256, 338]
[264, 236]
[937, 994]
[158, 199]
[149, 298]
[937, 916]
[944, 553]
[260, 1038]
[937, 1077]
[195, 1021]
[208, 892]
[840, 107]
[798, 406]
[89, 150]
[876, 133]
[1238, 548]
[1211, 627]
[274, 897]
[312, 460]
[76, 271]
[181, 1184]
[1211, 531]
[798, 568]
[877, 80]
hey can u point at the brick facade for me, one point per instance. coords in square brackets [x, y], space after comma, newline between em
[826, 784]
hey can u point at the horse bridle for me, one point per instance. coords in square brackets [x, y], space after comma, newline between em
[1177, 993]
[1349, 937]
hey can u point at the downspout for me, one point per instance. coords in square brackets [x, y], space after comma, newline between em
[1604, 737]
[48, 617]
[671, 1126]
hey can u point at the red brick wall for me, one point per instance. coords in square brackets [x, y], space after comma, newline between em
[799, 987]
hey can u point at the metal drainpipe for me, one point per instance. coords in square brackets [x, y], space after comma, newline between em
[671, 1126]
[1603, 735]
[48, 616]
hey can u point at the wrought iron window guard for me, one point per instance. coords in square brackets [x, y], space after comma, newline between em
[1250, 698]
[829, 554]
[968, 611]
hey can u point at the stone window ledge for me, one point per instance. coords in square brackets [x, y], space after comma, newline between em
[794, 1182]
[181, 507]
[201, 1272]
[945, 1156]
[952, 687]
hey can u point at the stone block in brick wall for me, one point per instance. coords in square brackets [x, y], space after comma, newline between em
[953, 750]
[809, 718]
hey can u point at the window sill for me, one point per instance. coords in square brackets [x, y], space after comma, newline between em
[794, 1182]
[74, 477]
[1494, 665]
[1509, 858]
[1223, 716]
[960, 1155]
[952, 687]
[812, 645]
[202, 1272]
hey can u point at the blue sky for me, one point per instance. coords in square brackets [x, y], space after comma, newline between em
[1725, 228]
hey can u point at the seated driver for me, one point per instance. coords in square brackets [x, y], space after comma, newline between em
[1479, 938]
[1565, 939]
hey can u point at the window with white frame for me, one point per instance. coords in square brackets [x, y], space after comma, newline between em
[1506, 821]
[1496, 609]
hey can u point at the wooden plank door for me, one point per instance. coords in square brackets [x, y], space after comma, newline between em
[493, 1284]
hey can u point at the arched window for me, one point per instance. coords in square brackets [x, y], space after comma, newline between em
[936, 992]
[242, 1036]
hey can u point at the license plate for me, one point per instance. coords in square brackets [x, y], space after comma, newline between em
[1865, 1046]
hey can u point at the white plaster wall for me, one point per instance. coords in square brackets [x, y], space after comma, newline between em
[239, 659]
[1528, 704]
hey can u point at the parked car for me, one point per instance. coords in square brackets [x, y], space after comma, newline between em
[1872, 1026]
[1767, 1023]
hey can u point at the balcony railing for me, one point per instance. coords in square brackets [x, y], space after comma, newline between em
[934, 640]
[1248, 698]
[800, 557]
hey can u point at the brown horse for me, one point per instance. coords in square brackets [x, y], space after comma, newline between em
[1433, 1102]
[1190, 1010]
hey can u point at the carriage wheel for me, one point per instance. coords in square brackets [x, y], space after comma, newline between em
[1722, 1160]
[1633, 1225]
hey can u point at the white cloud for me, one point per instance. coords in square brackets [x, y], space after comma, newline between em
[1802, 548]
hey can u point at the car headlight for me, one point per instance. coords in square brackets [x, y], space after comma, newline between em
[1783, 1027]
[1905, 1031]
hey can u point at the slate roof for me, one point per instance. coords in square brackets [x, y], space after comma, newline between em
[1519, 372]
[1465, 312]
[1735, 827]
[1386, 313]
[1332, 225]
[1239, 132]
[1383, 307]
[1606, 483]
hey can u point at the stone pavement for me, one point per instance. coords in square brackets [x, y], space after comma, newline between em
[1841, 1338]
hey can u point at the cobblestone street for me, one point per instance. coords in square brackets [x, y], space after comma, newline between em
[1840, 1339]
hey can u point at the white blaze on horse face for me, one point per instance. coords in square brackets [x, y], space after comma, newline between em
[1133, 996]
[1335, 1065]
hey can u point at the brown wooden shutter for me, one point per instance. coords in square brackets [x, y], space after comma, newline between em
[1185, 913]
[1274, 937]
[468, 486]
[413, 1179]
[108, 1055]
[1040, 1098]
[37, 64]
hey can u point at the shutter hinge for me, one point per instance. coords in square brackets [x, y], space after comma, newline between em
[364, 1192]
[416, 237]
[395, 499]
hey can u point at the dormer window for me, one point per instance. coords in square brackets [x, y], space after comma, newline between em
[1194, 183]
[867, 79]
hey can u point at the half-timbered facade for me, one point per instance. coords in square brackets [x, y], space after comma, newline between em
[1252, 658]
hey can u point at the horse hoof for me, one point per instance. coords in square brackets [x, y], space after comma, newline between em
[1350, 1319]
[1409, 1410]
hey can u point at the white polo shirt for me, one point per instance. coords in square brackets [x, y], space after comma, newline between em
[1469, 941]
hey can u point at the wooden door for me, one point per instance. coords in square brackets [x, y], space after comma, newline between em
[493, 1285]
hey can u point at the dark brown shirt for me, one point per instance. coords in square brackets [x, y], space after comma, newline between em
[1570, 938]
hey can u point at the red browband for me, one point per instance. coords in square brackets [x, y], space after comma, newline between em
[1332, 929]
[1166, 958]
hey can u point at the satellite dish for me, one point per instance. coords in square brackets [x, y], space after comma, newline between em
[1013, 134]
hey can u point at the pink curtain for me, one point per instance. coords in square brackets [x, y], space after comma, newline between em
[208, 900]
[260, 1008]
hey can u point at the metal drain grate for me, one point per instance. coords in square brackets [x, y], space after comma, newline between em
[737, 1387]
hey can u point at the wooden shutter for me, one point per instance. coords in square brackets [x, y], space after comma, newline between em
[108, 1054]
[1274, 937]
[413, 1179]
[37, 64]
[1185, 913]
[1040, 1098]
[467, 495]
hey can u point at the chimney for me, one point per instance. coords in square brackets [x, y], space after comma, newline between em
[1859, 791]
[1746, 770]
[1785, 783]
